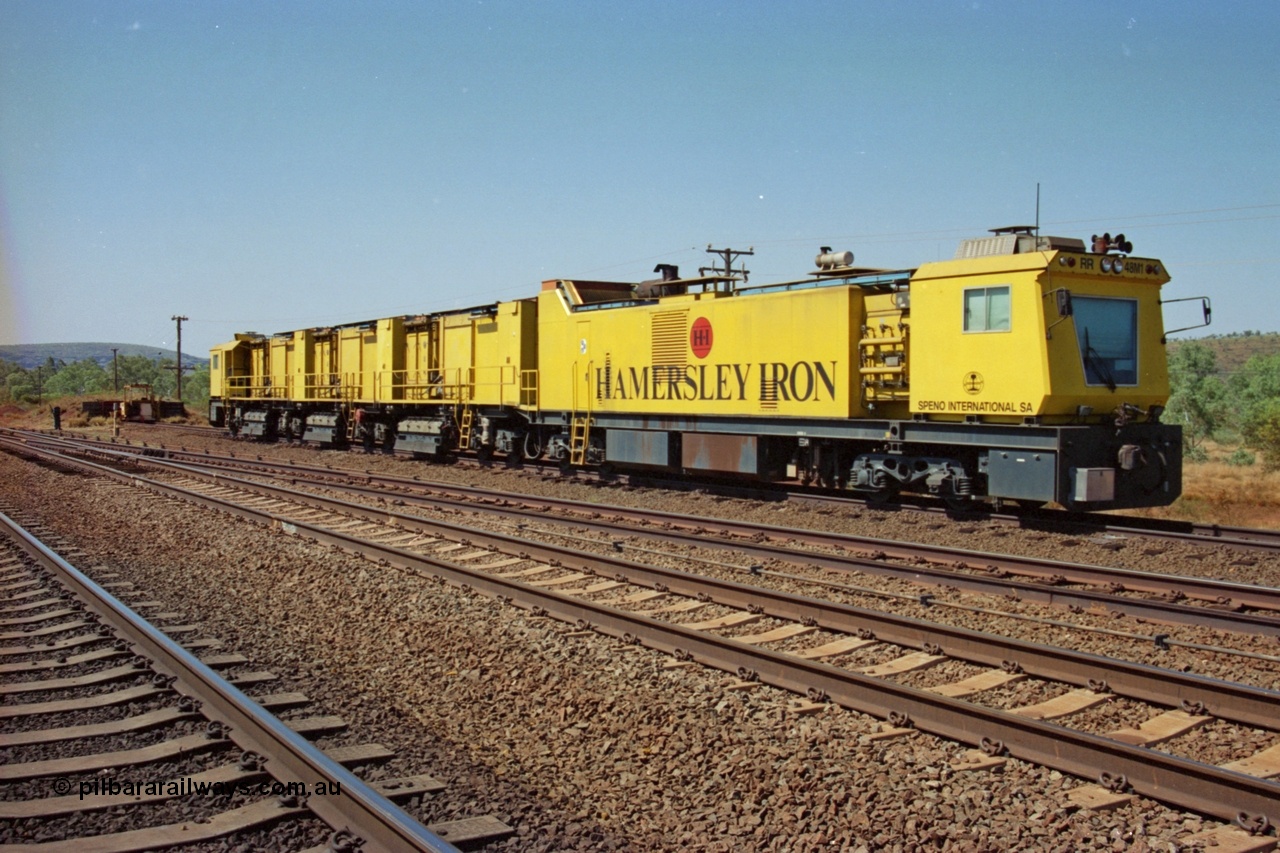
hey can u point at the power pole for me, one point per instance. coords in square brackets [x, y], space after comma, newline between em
[39, 385]
[729, 255]
[115, 368]
[179, 318]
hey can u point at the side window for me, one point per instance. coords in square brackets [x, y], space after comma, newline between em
[215, 361]
[986, 309]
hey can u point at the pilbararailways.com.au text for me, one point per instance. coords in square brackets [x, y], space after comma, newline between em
[109, 786]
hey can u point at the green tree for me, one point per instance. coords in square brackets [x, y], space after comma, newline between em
[21, 385]
[1261, 431]
[139, 370]
[8, 369]
[79, 377]
[195, 389]
[1255, 392]
[1198, 397]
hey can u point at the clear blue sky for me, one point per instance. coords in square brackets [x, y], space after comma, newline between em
[274, 165]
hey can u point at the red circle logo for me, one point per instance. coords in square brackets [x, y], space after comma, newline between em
[700, 337]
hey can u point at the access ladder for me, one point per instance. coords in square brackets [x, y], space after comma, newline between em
[579, 433]
[580, 423]
[465, 423]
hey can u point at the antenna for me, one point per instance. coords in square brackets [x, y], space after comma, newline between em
[1037, 208]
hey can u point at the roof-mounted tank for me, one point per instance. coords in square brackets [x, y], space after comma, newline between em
[829, 261]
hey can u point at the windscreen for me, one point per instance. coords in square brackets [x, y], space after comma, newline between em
[1107, 331]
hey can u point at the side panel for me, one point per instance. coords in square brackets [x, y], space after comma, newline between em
[228, 367]
[420, 378]
[323, 378]
[303, 365]
[504, 348]
[458, 356]
[978, 343]
[389, 356]
[734, 454]
[257, 383]
[638, 447]
[351, 363]
[784, 354]
[369, 351]
[1023, 474]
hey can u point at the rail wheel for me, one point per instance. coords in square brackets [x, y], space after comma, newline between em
[885, 496]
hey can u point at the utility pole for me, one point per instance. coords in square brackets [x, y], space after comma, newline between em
[179, 318]
[39, 385]
[115, 368]
[729, 255]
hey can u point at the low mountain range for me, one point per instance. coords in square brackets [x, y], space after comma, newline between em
[29, 356]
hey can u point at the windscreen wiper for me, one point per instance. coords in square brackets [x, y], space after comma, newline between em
[1094, 359]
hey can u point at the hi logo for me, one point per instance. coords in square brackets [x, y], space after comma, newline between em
[701, 337]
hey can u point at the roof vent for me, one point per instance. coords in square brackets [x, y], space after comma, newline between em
[1014, 240]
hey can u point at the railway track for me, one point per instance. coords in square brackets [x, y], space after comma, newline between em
[1156, 597]
[637, 603]
[1244, 538]
[202, 762]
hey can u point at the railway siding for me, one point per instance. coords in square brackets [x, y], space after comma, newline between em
[817, 726]
[141, 764]
[1188, 785]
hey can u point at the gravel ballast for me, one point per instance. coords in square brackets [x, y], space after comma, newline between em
[577, 742]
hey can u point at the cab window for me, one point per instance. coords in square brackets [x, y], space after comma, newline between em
[986, 309]
[1107, 332]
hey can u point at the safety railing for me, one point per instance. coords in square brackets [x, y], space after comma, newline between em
[500, 384]
[256, 388]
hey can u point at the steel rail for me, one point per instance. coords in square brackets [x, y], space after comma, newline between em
[1194, 532]
[1254, 538]
[291, 757]
[1161, 776]
[1204, 589]
[694, 532]
[1190, 532]
[1227, 700]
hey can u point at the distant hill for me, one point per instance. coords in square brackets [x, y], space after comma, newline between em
[29, 356]
[1233, 350]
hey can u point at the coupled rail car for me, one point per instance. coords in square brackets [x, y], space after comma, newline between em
[139, 404]
[1029, 368]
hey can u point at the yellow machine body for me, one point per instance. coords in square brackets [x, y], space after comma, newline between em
[783, 353]
[1003, 345]
[1028, 368]
[473, 357]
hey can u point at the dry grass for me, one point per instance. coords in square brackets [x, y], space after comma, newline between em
[1234, 495]
[31, 416]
